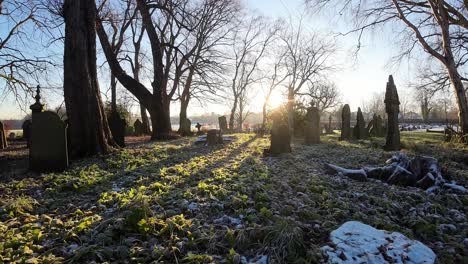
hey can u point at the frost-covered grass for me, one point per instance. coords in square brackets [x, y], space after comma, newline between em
[176, 202]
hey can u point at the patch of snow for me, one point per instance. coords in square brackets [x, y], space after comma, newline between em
[193, 206]
[456, 187]
[356, 242]
[262, 259]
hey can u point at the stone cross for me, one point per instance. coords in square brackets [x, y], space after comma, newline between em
[392, 108]
[280, 141]
[198, 126]
[360, 131]
[345, 123]
[223, 123]
[312, 133]
[117, 126]
[3, 139]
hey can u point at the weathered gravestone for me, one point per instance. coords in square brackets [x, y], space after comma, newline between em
[345, 123]
[329, 127]
[186, 129]
[12, 136]
[213, 137]
[280, 141]
[375, 127]
[27, 131]
[117, 126]
[139, 128]
[223, 126]
[312, 133]
[392, 108]
[3, 139]
[360, 131]
[48, 150]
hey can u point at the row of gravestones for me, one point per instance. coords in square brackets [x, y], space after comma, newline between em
[375, 127]
[281, 138]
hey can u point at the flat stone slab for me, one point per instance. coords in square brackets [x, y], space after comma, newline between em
[356, 242]
[202, 139]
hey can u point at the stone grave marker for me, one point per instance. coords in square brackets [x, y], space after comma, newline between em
[345, 123]
[280, 141]
[223, 126]
[117, 126]
[27, 131]
[213, 137]
[312, 133]
[392, 108]
[139, 128]
[360, 131]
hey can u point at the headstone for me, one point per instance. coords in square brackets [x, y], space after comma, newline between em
[329, 127]
[213, 137]
[3, 139]
[392, 108]
[345, 123]
[186, 128]
[280, 136]
[360, 131]
[117, 126]
[312, 133]
[27, 131]
[222, 123]
[12, 136]
[375, 127]
[48, 151]
[139, 128]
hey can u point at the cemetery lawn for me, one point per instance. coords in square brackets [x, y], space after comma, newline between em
[175, 202]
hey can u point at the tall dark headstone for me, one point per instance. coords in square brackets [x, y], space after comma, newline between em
[223, 123]
[329, 128]
[3, 139]
[360, 131]
[139, 128]
[280, 141]
[48, 151]
[392, 108]
[27, 124]
[312, 133]
[345, 123]
[375, 127]
[117, 126]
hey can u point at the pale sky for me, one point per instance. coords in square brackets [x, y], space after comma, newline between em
[357, 80]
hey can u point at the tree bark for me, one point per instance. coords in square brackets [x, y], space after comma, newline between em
[290, 107]
[88, 129]
[113, 82]
[232, 115]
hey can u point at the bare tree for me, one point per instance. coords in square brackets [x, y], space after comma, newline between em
[324, 95]
[438, 27]
[20, 66]
[308, 58]
[249, 42]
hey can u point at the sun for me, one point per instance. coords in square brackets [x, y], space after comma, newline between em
[276, 99]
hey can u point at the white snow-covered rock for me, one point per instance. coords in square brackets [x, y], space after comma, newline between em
[356, 242]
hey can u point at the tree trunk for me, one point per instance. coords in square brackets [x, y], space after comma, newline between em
[462, 102]
[233, 115]
[291, 111]
[183, 129]
[88, 129]
[113, 82]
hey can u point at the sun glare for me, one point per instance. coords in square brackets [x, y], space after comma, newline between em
[276, 99]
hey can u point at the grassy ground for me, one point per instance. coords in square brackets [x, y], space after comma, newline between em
[174, 202]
